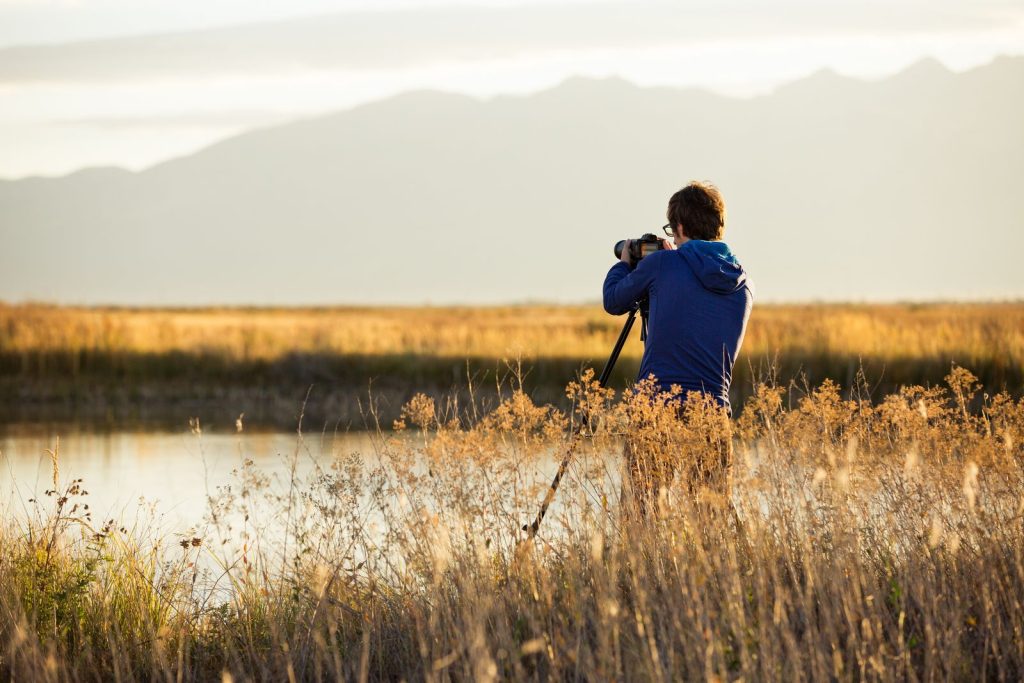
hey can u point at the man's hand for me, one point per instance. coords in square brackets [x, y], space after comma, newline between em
[624, 257]
[665, 244]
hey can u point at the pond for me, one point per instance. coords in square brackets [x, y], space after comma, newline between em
[171, 475]
[172, 472]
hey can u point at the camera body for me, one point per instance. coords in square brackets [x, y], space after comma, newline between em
[638, 248]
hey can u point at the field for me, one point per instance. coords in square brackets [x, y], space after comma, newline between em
[860, 541]
[111, 366]
[873, 527]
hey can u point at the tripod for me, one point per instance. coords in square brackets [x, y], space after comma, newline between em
[642, 308]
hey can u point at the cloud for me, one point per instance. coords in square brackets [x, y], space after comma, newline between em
[366, 40]
[244, 118]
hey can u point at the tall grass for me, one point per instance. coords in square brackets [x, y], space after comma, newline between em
[968, 333]
[146, 365]
[861, 540]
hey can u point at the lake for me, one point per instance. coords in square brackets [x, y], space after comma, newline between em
[168, 476]
[173, 471]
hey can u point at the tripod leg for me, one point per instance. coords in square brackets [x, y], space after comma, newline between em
[617, 349]
[531, 529]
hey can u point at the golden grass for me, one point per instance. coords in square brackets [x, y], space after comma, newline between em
[967, 333]
[118, 365]
[860, 541]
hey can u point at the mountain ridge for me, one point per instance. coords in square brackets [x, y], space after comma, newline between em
[925, 64]
[446, 198]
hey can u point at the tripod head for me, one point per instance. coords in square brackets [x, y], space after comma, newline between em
[644, 306]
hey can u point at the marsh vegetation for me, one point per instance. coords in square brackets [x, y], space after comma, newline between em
[116, 366]
[863, 539]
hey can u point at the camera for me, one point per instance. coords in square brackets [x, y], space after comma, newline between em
[648, 244]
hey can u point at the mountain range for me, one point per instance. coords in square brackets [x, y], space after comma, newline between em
[907, 187]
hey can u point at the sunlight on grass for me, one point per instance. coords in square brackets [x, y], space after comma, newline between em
[860, 540]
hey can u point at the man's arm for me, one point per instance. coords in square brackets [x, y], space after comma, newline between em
[623, 288]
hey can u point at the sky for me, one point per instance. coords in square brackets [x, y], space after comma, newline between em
[134, 82]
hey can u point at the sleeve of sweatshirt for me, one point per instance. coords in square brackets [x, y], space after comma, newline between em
[623, 287]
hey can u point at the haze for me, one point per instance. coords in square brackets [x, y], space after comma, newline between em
[867, 150]
[133, 82]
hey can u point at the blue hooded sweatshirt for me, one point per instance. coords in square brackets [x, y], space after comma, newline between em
[700, 300]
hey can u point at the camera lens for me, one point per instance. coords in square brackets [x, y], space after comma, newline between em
[618, 248]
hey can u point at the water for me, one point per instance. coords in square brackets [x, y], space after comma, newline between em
[170, 475]
[171, 472]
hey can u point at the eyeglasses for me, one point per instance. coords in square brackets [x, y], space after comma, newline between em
[668, 229]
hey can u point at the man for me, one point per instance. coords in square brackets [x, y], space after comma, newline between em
[700, 299]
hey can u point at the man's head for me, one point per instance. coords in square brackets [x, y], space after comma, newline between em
[700, 211]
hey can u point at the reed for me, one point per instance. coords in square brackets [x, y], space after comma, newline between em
[860, 540]
[966, 333]
[129, 365]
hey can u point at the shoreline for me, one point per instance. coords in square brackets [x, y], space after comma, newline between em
[153, 366]
[341, 390]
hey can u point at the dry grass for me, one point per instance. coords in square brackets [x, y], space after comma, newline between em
[966, 333]
[143, 366]
[865, 541]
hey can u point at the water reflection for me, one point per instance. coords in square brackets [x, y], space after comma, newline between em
[171, 471]
[172, 475]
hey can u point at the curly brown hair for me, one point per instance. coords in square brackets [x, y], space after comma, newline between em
[700, 209]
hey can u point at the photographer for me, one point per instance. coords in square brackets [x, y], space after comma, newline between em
[699, 299]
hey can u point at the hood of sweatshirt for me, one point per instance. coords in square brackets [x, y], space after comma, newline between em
[714, 265]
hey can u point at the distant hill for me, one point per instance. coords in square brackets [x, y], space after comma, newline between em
[908, 187]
